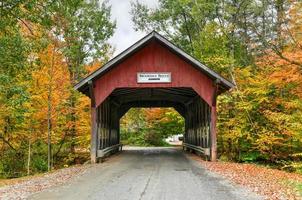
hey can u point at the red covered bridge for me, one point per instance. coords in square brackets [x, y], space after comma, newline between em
[153, 73]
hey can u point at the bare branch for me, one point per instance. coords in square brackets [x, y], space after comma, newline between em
[275, 49]
[8, 143]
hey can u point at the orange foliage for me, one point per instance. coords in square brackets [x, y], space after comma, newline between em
[49, 86]
[93, 66]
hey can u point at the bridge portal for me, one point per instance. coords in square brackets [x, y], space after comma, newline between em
[153, 72]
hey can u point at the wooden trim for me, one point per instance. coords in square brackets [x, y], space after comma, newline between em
[94, 138]
[94, 125]
[91, 93]
[213, 134]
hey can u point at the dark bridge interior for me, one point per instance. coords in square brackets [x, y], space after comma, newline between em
[177, 98]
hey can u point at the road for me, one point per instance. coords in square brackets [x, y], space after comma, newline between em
[145, 174]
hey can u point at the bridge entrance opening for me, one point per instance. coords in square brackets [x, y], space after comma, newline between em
[195, 111]
[154, 126]
[153, 73]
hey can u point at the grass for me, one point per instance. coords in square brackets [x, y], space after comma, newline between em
[295, 185]
[299, 188]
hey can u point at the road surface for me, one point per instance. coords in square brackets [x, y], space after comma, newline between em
[145, 174]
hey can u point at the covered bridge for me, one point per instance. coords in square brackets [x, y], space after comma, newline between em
[153, 72]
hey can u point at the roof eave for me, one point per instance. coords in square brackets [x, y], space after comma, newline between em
[82, 85]
[212, 74]
[120, 57]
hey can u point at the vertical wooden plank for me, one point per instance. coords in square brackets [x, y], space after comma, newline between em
[116, 122]
[199, 120]
[99, 128]
[186, 127]
[203, 123]
[112, 128]
[206, 122]
[213, 134]
[191, 125]
[209, 126]
[93, 144]
[196, 123]
[118, 131]
[188, 122]
[192, 121]
[106, 124]
[213, 125]
[102, 125]
[213, 114]
[110, 125]
[113, 120]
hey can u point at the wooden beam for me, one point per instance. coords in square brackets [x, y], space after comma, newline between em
[91, 93]
[94, 138]
[192, 100]
[180, 109]
[213, 124]
[102, 126]
[155, 97]
[213, 134]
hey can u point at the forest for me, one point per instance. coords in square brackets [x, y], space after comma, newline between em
[48, 46]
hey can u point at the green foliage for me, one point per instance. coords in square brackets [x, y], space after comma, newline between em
[299, 188]
[86, 27]
[39, 163]
[250, 156]
[9, 166]
[149, 127]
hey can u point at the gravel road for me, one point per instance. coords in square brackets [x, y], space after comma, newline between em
[148, 173]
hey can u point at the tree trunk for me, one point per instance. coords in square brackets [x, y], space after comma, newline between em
[28, 157]
[49, 129]
[280, 21]
[73, 121]
[49, 112]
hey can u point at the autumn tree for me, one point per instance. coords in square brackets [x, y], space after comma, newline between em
[45, 48]
[256, 44]
[85, 27]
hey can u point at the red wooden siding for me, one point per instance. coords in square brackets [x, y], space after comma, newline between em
[154, 58]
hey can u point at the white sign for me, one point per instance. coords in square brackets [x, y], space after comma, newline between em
[154, 77]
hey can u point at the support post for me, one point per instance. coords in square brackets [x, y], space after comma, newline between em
[213, 124]
[93, 144]
[213, 134]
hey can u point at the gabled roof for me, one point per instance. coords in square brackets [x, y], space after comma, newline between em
[82, 86]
